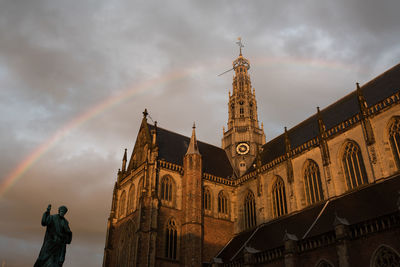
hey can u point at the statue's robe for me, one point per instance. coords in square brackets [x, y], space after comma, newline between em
[58, 234]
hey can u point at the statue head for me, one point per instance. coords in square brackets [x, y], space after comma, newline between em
[62, 211]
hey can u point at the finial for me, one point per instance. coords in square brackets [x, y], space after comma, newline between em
[318, 110]
[145, 113]
[193, 149]
[194, 126]
[358, 85]
[240, 44]
[155, 124]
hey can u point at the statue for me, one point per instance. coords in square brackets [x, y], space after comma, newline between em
[57, 236]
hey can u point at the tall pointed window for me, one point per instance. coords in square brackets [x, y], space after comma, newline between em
[241, 111]
[353, 165]
[131, 199]
[122, 202]
[222, 203]
[171, 240]
[394, 138]
[385, 256]
[166, 191]
[207, 199]
[250, 217]
[312, 182]
[279, 198]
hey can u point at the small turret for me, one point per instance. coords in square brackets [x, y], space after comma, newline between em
[361, 101]
[124, 160]
[192, 219]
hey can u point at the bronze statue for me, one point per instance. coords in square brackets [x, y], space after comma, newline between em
[58, 235]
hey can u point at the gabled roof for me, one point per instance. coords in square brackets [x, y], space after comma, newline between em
[173, 146]
[369, 202]
[374, 91]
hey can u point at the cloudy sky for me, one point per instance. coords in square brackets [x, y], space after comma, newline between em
[76, 75]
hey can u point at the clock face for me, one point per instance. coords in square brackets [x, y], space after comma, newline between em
[242, 148]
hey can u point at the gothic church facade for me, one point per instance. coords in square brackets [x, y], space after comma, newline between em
[324, 193]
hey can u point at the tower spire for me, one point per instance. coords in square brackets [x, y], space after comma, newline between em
[243, 135]
[193, 148]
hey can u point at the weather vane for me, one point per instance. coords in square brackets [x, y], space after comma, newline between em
[240, 44]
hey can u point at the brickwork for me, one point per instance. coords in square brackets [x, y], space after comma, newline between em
[192, 219]
[216, 234]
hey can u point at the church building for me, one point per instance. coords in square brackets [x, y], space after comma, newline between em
[324, 193]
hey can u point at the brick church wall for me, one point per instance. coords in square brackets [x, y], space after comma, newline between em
[217, 233]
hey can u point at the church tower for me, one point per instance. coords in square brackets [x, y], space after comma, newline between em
[244, 137]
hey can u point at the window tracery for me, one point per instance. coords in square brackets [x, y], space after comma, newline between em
[353, 165]
[222, 203]
[171, 240]
[131, 198]
[250, 217]
[386, 257]
[312, 182]
[122, 201]
[207, 199]
[166, 190]
[394, 139]
[279, 198]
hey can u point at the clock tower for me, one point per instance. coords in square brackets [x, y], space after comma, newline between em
[243, 137]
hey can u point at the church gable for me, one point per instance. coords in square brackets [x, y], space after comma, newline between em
[143, 142]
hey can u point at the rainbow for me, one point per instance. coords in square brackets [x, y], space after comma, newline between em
[29, 161]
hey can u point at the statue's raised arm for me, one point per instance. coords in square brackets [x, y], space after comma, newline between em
[57, 236]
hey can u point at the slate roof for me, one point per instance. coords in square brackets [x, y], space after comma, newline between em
[369, 202]
[374, 91]
[173, 147]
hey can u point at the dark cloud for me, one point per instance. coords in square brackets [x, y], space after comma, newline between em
[59, 59]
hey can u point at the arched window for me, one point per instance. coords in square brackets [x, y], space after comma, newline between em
[207, 199]
[166, 190]
[312, 182]
[131, 199]
[385, 256]
[122, 202]
[279, 198]
[353, 165]
[241, 112]
[394, 139]
[171, 240]
[250, 217]
[324, 263]
[126, 247]
[222, 203]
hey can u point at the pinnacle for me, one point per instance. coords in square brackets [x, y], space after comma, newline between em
[193, 148]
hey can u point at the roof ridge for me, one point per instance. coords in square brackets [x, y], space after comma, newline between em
[353, 92]
[198, 141]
